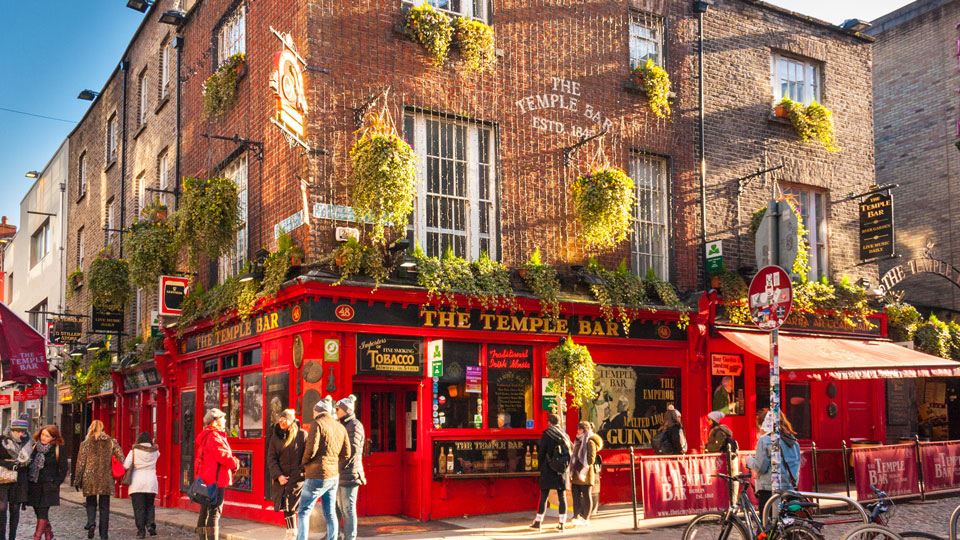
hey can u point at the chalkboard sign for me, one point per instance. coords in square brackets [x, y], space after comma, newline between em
[509, 386]
[901, 402]
[484, 457]
[387, 355]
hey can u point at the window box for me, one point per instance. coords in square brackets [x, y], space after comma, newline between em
[781, 111]
[633, 86]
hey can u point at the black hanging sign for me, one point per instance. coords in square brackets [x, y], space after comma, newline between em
[876, 226]
[66, 331]
[107, 321]
[385, 355]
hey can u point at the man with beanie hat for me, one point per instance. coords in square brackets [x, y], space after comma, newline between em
[351, 473]
[325, 451]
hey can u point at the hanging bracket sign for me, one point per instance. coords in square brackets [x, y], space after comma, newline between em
[172, 292]
[876, 226]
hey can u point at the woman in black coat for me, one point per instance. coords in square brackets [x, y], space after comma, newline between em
[13, 494]
[284, 455]
[553, 443]
[46, 471]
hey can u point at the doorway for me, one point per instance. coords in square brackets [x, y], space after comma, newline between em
[388, 414]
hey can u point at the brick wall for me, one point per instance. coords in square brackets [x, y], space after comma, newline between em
[915, 94]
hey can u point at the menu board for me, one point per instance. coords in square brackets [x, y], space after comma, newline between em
[387, 355]
[509, 386]
[497, 456]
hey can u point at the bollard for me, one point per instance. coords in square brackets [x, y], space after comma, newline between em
[633, 488]
[846, 466]
[923, 487]
[816, 472]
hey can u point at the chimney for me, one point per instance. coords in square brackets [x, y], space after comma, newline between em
[4, 222]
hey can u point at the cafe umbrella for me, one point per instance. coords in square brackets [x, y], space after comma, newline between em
[23, 350]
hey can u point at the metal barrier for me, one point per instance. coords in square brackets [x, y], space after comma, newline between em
[767, 511]
[953, 523]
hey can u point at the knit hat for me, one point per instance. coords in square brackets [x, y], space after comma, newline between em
[716, 416]
[22, 425]
[325, 405]
[289, 415]
[213, 414]
[347, 404]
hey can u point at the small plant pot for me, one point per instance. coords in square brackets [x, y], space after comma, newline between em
[241, 70]
[715, 282]
[161, 215]
[637, 79]
[781, 111]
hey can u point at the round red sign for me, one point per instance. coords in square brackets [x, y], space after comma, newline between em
[770, 297]
[344, 312]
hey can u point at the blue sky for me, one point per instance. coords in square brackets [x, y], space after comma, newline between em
[58, 47]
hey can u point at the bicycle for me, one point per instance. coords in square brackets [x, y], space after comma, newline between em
[730, 526]
[880, 512]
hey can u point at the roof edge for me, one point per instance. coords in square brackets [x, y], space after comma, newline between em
[903, 15]
[811, 20]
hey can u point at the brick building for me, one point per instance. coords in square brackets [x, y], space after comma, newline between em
[915, 95]
[7, 231]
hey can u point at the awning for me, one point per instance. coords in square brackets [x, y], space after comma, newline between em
[807, 358]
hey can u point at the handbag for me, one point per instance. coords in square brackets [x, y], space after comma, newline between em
[117, 467]
[128, 474]
[201, 493]
[7, 476]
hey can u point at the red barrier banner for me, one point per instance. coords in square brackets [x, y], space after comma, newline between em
[683, 485]
[941, 465]
[892, 469]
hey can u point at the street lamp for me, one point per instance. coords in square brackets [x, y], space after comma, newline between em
[87, 94]
[173, 16]
[32, 174]
[139, 5]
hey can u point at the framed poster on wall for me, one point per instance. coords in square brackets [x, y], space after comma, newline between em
[727, 384]
[188, 404]
[243, 476]
[276, 399]
[630, 403]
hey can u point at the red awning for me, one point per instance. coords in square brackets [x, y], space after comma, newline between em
[807, 358]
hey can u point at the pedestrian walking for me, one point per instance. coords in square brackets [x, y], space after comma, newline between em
[215, 466]
[284, 458]
[47, 469]
[670, 439]
[13, 494]
[351, 472]
[789, 452]
[720, 439]
[327, 449]
[554, 465]
[94, 476]
[597, 470]
[584, 475]
[142, 458]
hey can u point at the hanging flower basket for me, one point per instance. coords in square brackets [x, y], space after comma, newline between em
[220, 88]
[432, 29]
[477, 43]
[208, 217]
[812, 122]
[109, 281]
[151, 249]
[604, 201]
[656, 83]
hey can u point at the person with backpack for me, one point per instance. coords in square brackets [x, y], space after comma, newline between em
[144, 484]
[670, 439]
[554, 465]
[585, 476]
[790, 458]
[721, 439]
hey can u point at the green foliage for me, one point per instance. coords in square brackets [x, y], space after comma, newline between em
[542, 280]
[667, 295]
[220, 88]
[656, 83]
[933, 337]
[384, 176]
[354, 258]
[277, 266]
[208, 217]
[493, 283]
[620, 295]
[902, 320]
[604, 200]
[82, 378]
[813, 123]
[109, 281]
[733, 292]
[573, 369]
[483, 281]
[477, 43]
[756, 219]
[151, 249]
[432, 29]
[74, 282]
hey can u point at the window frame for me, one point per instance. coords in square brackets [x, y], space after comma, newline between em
[141, 191]
[142, 81]
[240, 371]
[813, 201]
[467, 11]
[473, 169]
[164, 78]
[109, 219]
[40, 241]
[654, 23]
[636, 255]
[38, 317]
[80, 247]
[82, 175]
[814, 87]
[112, 134]
[230, 264]
[227, 24]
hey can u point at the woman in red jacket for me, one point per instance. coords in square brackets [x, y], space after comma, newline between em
[215, 466]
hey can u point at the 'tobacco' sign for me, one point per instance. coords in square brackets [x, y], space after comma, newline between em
[770, 297]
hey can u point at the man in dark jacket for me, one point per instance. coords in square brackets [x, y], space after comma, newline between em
[554, 465]
[284, 460]
[351, 473]
[326, 450]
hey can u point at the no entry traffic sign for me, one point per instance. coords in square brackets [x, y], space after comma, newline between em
[770, 297]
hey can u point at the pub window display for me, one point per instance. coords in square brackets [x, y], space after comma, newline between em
[240, 397]
[457, 404]
[630, 403]
[509, 386]
[727, 388]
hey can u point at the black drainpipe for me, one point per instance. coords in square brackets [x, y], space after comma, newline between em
[700, 6]
[178, 42]
[124, 66]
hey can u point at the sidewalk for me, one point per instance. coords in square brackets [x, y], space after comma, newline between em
[611, 520]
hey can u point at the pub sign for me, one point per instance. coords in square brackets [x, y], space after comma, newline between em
[387, 355]
[876, 226]
[107, 321]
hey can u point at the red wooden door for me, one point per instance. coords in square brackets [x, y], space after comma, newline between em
[381, 412]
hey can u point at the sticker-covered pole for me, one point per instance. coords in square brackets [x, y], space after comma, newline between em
[775, 408]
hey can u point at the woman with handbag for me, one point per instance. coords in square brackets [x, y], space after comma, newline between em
[141, 476]
[284, 454]
[95, 475]
[214, 472]
[13, 489]
[47, 469]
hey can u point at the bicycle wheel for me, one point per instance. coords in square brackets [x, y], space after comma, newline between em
[714, 526]
[800, 532]
[871, 531]
[916, 534]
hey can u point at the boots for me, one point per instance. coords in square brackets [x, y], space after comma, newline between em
[48, 531]
[41, 527]
[202, 533]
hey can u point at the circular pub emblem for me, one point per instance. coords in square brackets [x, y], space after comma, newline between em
[344, 312]
[296, 314]
[663, 331]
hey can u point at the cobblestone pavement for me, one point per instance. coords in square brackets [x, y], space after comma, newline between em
[68, 520]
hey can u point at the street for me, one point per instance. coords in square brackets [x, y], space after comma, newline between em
[68, 520]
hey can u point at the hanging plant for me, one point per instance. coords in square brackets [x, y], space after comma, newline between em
[604, 201]
[573, 370]
[109, 281]
[812, 122]
[353, 258]
[220, 88]
[902, 320]
[953, 330]
[84, 378]
[278, 264]
[208, 217]
[477, 43]
[620, 295]
[668, 296]
[154, 212]
[74, 282]
[432, 29]
[733, 291]
[933, 337]
[151, 248]
[542, 280]
[656, 82]
[493, 284]
[384, 176]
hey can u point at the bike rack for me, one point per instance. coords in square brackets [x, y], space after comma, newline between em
[767, 511]
[953, 523]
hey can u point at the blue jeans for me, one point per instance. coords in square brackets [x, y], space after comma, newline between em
[326, 491]
[347, 500]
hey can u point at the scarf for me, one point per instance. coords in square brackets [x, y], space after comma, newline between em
[583, 454]
[39, 459]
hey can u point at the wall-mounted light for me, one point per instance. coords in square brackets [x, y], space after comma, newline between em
[173, 16]
[855, 25]
[87, 94]
[78, 350]
[139, 5]
[95, 346]
[256, 266]
[32, 174]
